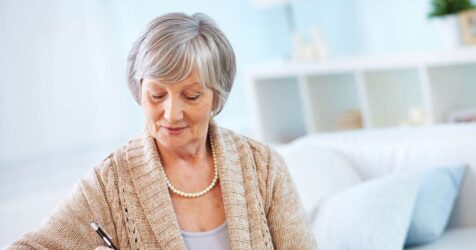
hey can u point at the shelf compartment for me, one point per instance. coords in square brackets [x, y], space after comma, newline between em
[391, 94]
[452, 87]
[329, 96]
[279, 109]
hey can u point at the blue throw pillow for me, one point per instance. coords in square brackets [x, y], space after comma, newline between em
[438, 191]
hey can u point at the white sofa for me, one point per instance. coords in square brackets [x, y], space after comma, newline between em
[378, 152]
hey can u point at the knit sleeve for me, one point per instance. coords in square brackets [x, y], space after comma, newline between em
[287, 221]
[68, 227]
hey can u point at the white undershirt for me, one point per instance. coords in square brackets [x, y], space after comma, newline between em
[215, 239]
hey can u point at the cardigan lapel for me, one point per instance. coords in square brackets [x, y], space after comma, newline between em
[149, 181]
[151, 187]
[233, 191]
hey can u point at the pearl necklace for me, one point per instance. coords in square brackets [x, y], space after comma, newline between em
[204, 191]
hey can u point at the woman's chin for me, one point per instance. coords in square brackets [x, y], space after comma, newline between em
[171, 140]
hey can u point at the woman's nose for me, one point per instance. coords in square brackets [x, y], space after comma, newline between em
[173, 110]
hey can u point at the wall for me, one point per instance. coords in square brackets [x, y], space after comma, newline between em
[63, 68]
[53, 51]
[368, 27]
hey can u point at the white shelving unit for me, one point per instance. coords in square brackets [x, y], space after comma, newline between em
[290, 100]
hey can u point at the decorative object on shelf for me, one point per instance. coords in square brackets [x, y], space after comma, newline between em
[463, 115]
[447, 13]
[468, 26]
[312, 49]
[351, 119]
[416, 116]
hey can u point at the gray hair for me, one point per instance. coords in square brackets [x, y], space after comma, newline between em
[175, 44]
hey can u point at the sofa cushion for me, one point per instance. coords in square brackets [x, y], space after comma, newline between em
[373, 215]
[438, 190]
[317, 173]
[378, 152]
[454, 238]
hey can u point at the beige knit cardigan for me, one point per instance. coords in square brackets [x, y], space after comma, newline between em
[127, 194]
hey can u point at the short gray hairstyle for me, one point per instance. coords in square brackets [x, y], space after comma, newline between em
[175, 44]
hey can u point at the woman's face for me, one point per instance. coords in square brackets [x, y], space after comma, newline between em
[178, 113]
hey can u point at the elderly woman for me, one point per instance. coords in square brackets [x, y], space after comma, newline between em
[183, 182]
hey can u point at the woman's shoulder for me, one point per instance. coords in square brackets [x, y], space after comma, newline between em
[108, 168]
[104, 169]
[118, 156]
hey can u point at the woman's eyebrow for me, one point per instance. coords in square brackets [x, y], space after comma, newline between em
[193, 83]
[159, 84]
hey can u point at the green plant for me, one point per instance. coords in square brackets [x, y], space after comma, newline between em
[448, 7]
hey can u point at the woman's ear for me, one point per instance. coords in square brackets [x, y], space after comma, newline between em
[214, 104]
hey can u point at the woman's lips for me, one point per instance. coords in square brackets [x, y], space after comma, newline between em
[174, 130]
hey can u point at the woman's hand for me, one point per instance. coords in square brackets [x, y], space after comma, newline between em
[102, 248]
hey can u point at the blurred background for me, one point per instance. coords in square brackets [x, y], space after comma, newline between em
[65, 105]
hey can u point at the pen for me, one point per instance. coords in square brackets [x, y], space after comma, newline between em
[104, 236]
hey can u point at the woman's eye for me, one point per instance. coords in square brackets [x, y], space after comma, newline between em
[157, 96]
[195, 97]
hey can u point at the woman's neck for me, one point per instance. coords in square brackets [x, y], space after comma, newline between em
[192, 153]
